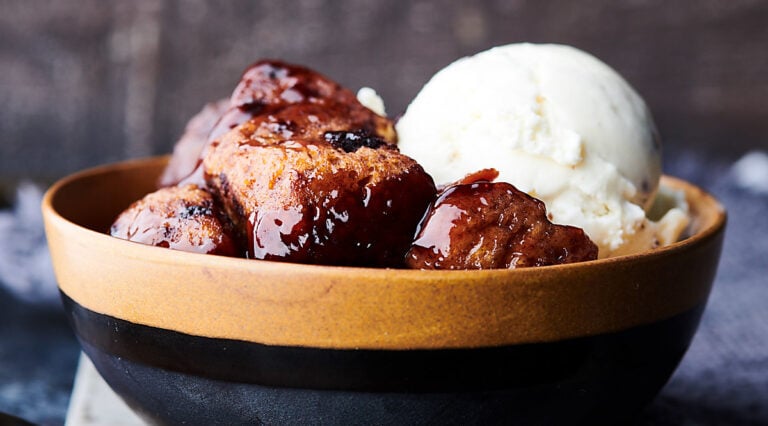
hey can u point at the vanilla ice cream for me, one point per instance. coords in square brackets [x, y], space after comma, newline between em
[558, 124]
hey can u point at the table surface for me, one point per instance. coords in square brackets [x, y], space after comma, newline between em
[723, 379]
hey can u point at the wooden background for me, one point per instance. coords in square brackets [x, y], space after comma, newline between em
[84, 82]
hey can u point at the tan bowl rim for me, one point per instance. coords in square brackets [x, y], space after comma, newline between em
[289, 304]
[160, 253]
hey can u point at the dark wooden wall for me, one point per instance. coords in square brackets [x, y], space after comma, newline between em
[88, 81]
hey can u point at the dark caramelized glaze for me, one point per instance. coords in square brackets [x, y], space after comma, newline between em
[302, 124]
[311, 183]
[303, 172]
[267, 87]
[286, 123]
[271, 83]
[478, 224]
[487, 175]
[181, 218]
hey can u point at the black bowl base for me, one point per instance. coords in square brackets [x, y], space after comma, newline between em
[603, 379]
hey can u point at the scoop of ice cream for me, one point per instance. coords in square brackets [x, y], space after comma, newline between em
[555, 122]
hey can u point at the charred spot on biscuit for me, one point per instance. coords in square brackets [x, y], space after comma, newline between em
[351, 141]
[204, 209]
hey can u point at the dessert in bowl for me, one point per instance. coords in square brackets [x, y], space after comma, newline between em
[205, 339]
[200, 338]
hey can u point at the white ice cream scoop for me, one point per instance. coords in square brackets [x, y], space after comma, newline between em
[554, 121]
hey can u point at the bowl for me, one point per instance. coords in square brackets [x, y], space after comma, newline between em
[203, 339]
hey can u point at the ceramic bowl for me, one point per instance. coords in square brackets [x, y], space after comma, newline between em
[202, 339]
